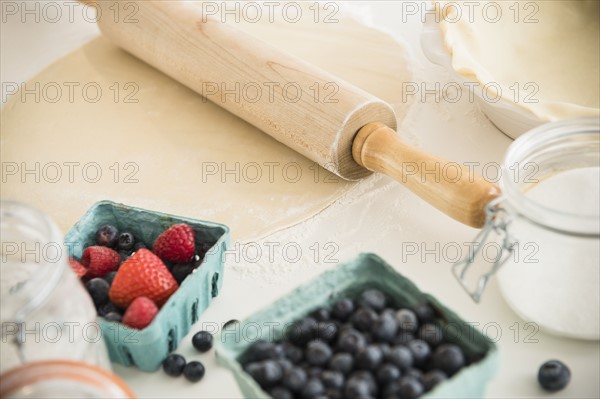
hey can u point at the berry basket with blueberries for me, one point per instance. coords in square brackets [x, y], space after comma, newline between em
[361, 330]
[149, 274]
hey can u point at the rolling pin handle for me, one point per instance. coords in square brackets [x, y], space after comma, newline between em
[463, 196]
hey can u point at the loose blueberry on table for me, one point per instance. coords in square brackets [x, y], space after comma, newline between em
[374, 350]
[202, 341]
[554, 375]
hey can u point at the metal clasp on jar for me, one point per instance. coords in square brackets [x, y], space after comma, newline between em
[497, 221]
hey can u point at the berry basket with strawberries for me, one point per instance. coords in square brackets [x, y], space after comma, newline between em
[360, 330]
[149, 274]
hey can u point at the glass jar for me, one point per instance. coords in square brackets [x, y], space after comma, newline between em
[545, 230]
[62, 379]
[46, 312]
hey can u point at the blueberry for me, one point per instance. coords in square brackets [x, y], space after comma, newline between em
[342, 362]
[113, 316]
[342, 309]
[363, 319]
[384, 329]
[285, 364]
[401, 357]
[331, 393]
[449, 358]
[281, 393]
[407, 320]
[321, 314]
[294, 379]
[357, 388]
[267, 372]
[124, 255]
[403, 338]
[318, 353]
[414, 373]
[313, 388]
[332, 379]
[194, 371]
[420, 351]
[126, 241]
[109, 277]
[263, 350]
[373, 299]
[302, 331]
[369, 358]
[202, 341]
[387, 373]
[173, 365]
[139, 245]
[351, 341]
[424, 313]
[369, 379]
[292, 352]
[181, 271]
[432, 378]
[107, 235]
[108, 307]
[313, 371]
[431, 333]
[385, 349]
[98, 290]
[327, 331]
[554, 375]
[410, 388]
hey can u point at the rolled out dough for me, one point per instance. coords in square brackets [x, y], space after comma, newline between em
[150, 142]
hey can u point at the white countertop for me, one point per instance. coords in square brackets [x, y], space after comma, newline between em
[387, 220]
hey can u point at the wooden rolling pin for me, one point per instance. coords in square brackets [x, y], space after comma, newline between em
[351, 135]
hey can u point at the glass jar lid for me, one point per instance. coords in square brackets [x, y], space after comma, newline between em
[62, 379]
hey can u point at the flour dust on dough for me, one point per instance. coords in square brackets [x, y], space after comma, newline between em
[150, 142]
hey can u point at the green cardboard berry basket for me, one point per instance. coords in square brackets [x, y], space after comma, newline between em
[147, 348]
[366, 271]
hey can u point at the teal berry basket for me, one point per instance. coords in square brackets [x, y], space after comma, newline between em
[147, 348]
[365, 271]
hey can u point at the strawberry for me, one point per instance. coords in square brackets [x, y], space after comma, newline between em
[77, 267]
[100, 260]
[140, 313]
[175, 244]
[142, 274]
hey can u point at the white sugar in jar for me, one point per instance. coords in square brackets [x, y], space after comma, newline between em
[547, 227]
